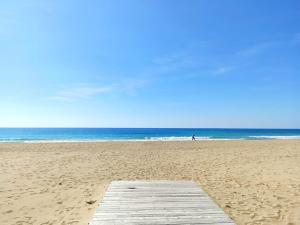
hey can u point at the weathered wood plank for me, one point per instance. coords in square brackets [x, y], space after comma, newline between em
[158, 202]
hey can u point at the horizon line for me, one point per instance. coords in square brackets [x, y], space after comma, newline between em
[248, 128]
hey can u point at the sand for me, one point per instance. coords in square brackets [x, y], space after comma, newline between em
[255, 182]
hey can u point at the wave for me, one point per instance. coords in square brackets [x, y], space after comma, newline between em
[176, 138]
[160, 138]
[270, 137]
[167, 138]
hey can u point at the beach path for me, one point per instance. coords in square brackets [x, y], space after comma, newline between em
[158, 202]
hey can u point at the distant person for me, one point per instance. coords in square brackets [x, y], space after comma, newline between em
[193, 137]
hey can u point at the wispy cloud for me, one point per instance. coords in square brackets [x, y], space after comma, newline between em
[132, 86]
[169, 64]
[176, 65]
[175, 61]
[223, 69]
[80, 93]
[189, 64]
[256, 49]
[296, 39]
[129, 86]
[262, 47]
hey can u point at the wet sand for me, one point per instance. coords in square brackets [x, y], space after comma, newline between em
[255, 182]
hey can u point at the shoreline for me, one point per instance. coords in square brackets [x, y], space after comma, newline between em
[171, 139]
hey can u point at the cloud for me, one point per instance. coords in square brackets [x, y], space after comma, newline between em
[174, 62]
[223, 69]
[256, 49]
[80, 93]
[264, 46]
[128, 86]
[131, 86]
[296, 39]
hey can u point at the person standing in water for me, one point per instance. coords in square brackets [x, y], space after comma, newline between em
[193, 137]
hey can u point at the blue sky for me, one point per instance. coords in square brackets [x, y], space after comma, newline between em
[158, 63]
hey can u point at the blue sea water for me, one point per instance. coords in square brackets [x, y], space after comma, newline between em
[135, 134]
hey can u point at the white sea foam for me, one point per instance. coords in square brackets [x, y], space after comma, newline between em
[162, 138]
[174, 138]
[120, 140]
[276, 137]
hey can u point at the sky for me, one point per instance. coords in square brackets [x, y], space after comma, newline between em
[158, 63]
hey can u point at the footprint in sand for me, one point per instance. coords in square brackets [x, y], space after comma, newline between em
[73, 222]
[8, 211]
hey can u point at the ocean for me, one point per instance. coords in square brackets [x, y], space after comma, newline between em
[140, 134]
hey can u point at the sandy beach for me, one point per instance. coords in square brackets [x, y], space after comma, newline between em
[255, 182]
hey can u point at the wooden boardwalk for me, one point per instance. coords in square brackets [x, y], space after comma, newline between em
[158, 202]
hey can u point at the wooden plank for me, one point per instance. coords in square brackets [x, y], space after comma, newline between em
[158, 202]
